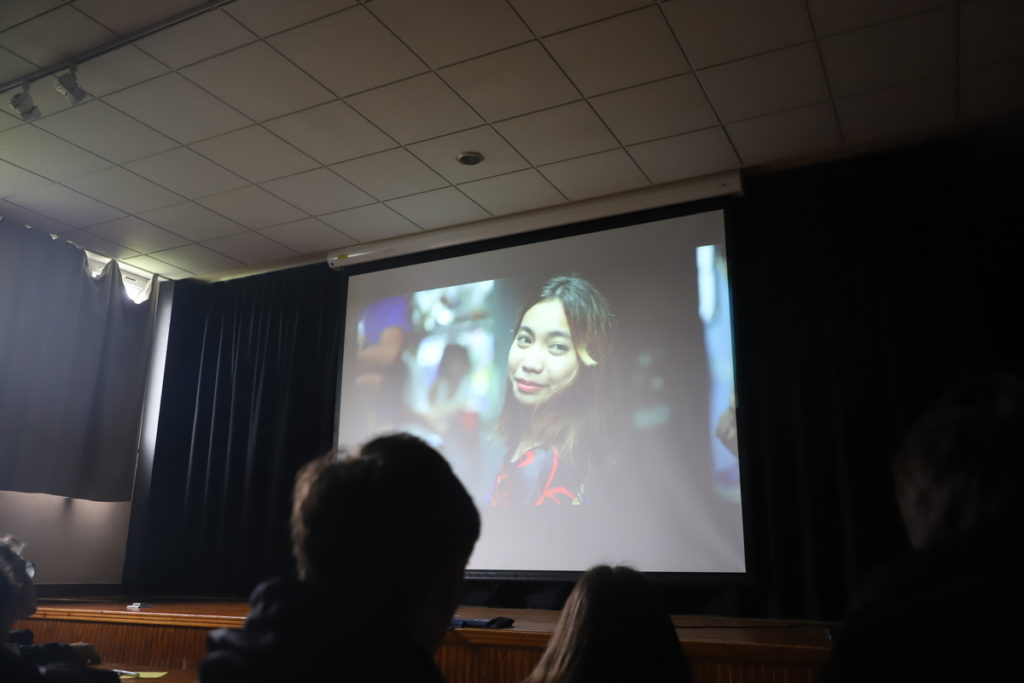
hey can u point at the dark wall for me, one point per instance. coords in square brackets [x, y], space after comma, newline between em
[861, 290]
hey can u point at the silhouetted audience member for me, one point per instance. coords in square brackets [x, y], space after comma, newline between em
[381, 538]
[950, 609]
[614, 627]
[19, 659]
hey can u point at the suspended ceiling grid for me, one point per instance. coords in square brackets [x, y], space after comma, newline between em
[261, 131]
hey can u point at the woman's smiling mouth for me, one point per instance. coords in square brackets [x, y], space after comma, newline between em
[527, 387]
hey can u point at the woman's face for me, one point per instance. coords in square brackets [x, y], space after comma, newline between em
[542, 361]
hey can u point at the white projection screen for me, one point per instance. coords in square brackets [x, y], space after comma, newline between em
[625, 447]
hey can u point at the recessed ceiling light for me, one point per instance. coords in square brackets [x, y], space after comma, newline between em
[469, 158]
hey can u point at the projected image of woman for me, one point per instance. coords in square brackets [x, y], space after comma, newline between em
[554, 410]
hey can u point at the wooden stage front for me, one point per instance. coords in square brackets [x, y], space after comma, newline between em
[171, 635]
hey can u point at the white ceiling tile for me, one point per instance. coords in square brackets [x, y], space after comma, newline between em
[14, 180]
[55, 36]
[124, 190]
[992, 90]
[717, 31]
[511, 82]
[571, 130]
[265, 17]
[910, 109]
[544, 16]
[12, 66]
[192, 221]
[183, 171]
[103, 130]
[318, 191]
[65, 205]
[834, 16]
[685, 156]
[128, 16]
[12, 213]
[888, 54]
[352, 37]
[765, 84]
[599, 174]
[656, 110]
[16, 11]
[616, 53]
[446, 31]
[9, 121]
[415, 109]
[991, 31]
[258, 82]
[255, 154]
[513, 193]
[22, 216]
[197, 259]
[152, 265]
[331, 133]
[253, 207]
[87, 240]
[250, 248]
[439, 208]
[786, 135]
[775, 104]
[37, 151]
[371, 223]
[308, 236]
[198, 38]
[440, 154]
[137, 234]
[118, 69]
[178, 108]
[390, 174]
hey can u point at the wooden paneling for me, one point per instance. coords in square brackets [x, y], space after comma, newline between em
[172, 636]
[161, 647]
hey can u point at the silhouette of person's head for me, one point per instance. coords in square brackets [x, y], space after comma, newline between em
[390, 527]
[614, 627]
[960, 468]
[17, 591]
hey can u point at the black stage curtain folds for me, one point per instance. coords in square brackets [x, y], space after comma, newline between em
[248, 397]
[862, 289]
[73, 356]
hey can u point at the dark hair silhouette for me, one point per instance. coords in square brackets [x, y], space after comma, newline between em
[580, 413]
[961, 466]
[614, 627]
[384, 520]
[17, 594]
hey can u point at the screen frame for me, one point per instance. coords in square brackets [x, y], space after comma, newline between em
[728, 207]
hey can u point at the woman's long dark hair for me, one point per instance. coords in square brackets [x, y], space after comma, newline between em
[614, 627]
[573, 420]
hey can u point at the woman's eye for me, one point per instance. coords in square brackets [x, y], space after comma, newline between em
[523, 340]
[559, 349]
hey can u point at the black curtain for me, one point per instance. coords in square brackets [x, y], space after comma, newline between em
[249, 396]
[863, 289]
[73, 356]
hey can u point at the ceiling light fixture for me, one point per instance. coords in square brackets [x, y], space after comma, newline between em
[67, 85]
[22, 103]
[469, 158]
